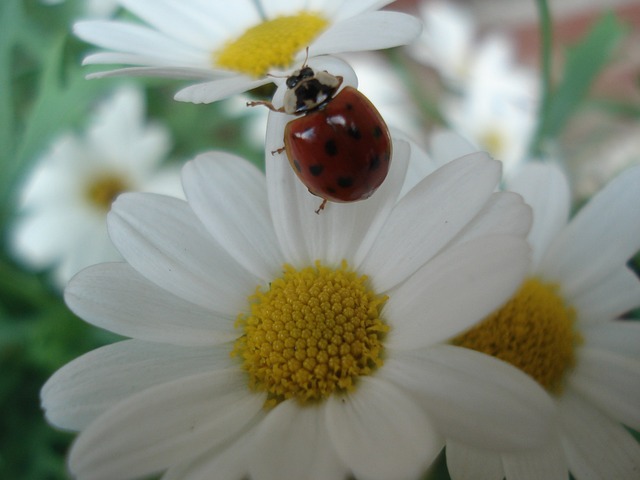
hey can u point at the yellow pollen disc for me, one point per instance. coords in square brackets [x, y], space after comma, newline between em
[103, 190]
[313, 333]
[271, 44]
[533, 331]
[493, 141]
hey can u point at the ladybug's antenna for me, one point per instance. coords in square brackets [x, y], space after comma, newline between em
[306, 57]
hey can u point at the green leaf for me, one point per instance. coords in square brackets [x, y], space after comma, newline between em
[584, 62]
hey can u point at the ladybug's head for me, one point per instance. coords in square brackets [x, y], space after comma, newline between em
[308, 90]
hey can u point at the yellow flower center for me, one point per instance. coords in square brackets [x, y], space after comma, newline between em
[271, 44]
[313, 333]
[103, 190]
[533, 331]
[493, 141]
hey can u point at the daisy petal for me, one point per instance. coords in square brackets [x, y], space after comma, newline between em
[619, 336]
[595, 446]
[228, 194]
[600, 238]
[546, 189]
[163, 240]
[340, 231]
[218, 89]
[228, 463]
[165, 425]
[610, 380]
[380, 433]
[504, 214]
[369, 31]
[296, 441]
[131, 38]
[115, 297]
[455, 290]
[90, 385]
[474, 398]
[467, 463]
[610, 298]
[548, 463]
[452, 195]
[446, 145]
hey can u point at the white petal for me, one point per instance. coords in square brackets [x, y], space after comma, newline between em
[131, 38]
[381, 433]
[163, 240]
[90, 385]
[468, 463]
[447, 145]
[610, 380]
[229, 196]
[340, 231]
[115, 297]
[474, 398]
[503, 214]
[293, 442]
[219, 89]
[420, 164]
[548, 463]
[619, 336]
[428, 217]
[610, 298]
[455, 290]
[546, 189]
[369, 31]
[165, 425]
[226, 463]
[596, 447]
[601, 237]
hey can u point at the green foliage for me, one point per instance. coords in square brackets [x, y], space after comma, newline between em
[584, 62]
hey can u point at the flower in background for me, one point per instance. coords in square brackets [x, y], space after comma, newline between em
[497, 111]
[93, 8]
[234, 47]
[447, 41]
[272, 342]
[491, 100]
[66, 197]
[563, 328]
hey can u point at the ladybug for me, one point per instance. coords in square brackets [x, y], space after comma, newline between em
[339, 146]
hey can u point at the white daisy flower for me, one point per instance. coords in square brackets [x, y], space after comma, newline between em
[447, 41]
[270, 342]
[66, 197]
[93, 8]
[563, 328]
[232, 47]
[497, 109]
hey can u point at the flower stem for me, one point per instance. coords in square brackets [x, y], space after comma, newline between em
[546, 44]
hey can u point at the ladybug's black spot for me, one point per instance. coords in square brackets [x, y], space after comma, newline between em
[331, 148]
[354, 132]
[377, 132]
[345, 182]
[349, 106]
[316, 169]
[374, 163]
[297, 165]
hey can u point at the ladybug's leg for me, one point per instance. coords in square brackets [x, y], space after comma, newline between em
[322, 205]
[269, 105]
[278, 150]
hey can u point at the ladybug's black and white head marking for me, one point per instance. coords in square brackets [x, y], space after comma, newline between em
[308, 90]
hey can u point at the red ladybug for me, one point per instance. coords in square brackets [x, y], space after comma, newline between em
[340, 146]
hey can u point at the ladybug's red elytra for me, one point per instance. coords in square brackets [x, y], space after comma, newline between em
[339, 146]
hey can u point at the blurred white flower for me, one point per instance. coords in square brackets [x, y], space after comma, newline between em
[232, 47]
[271, 342]
[65, 199]
[563, 328]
